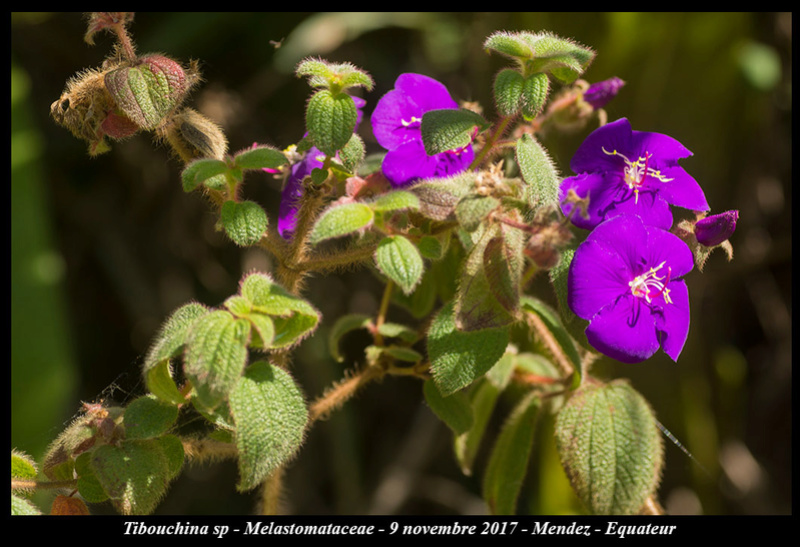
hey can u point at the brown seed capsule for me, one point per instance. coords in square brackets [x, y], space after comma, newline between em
[194, 136]
[83, 107]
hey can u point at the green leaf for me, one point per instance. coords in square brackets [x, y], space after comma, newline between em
[508, 463]
[134, 474]
[475, 304]
[610, 447]
[438, 197]
[331, 119]
[449, 129]
[508, 91]
[399, 260]
[459, 358]
[89, 485]
[259, 157]
[353, 153]
[342, 220]
[159, 382]
[483, 397]
[454, 410]
[216, 354]
[551, 320]
[539, 172]
[293, 318]
[535, 89]
[343, 325]
[472, 210]
[22, 466]
[172, 335]
[502, 266]
[21, 507]
[148, 417]
[198, 171]
[338, 76]
[395, 330]
[169, 343]
[172, 449]
[395, 201]
[244, 221]
[270, 416]
[264, 330]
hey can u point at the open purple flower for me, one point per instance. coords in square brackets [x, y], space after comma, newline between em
[396, 125]
[624, 171]
[293, 188]
[624, 280]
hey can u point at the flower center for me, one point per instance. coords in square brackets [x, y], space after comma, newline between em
[642, 285]
[637, 171]
[414, 121]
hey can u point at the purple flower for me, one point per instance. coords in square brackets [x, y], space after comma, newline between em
[624, 171]
[713, 230]
[600, 93]
[624, 280]
[293, 188]
[396, 125]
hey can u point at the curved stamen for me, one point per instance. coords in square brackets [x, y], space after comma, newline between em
[642, 285]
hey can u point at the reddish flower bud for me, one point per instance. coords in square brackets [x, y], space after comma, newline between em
[713, 230]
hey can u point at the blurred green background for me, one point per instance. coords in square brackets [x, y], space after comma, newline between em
[104, 249]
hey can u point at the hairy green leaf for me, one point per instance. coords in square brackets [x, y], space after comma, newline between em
[270, 416]
[450, 129]
[508, 463]
[148, 417]
[454, 410]
[399, 260]
[216, 354]
[610, 447]
[539, 172]
[331, 119]
[342, 220]
[244, 221]
[259, 157]
[459, 358]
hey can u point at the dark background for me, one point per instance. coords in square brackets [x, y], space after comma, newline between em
[104, 249]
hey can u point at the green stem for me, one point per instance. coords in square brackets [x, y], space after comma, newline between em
[387, 298]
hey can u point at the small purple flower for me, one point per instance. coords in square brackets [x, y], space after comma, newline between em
[396, 125]
[293, 188]
[600, 93]
[624, 171]
[713, 230]
[624, 280]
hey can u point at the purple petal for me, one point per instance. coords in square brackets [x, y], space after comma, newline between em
[598, 275]
[425, 92]
[408, 162]
[663, 246]
[603, 190]
[624, 330]
[665, 150]
[682, 190]
[293, 191]
[673, 324]
[387, 119]
[590, 156]
[397, 116]
[649, 206]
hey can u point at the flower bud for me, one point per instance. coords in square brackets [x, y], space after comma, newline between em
[600, 93]
[715, 229]
[150, 90]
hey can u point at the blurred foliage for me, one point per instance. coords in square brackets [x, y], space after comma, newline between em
[128, 246]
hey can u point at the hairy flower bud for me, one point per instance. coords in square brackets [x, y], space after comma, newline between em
[715, 229]
[193, 136]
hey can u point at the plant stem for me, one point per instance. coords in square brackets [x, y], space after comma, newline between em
[19, 484]
[498, 131]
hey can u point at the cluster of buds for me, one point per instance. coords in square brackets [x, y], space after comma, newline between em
[131, 93]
